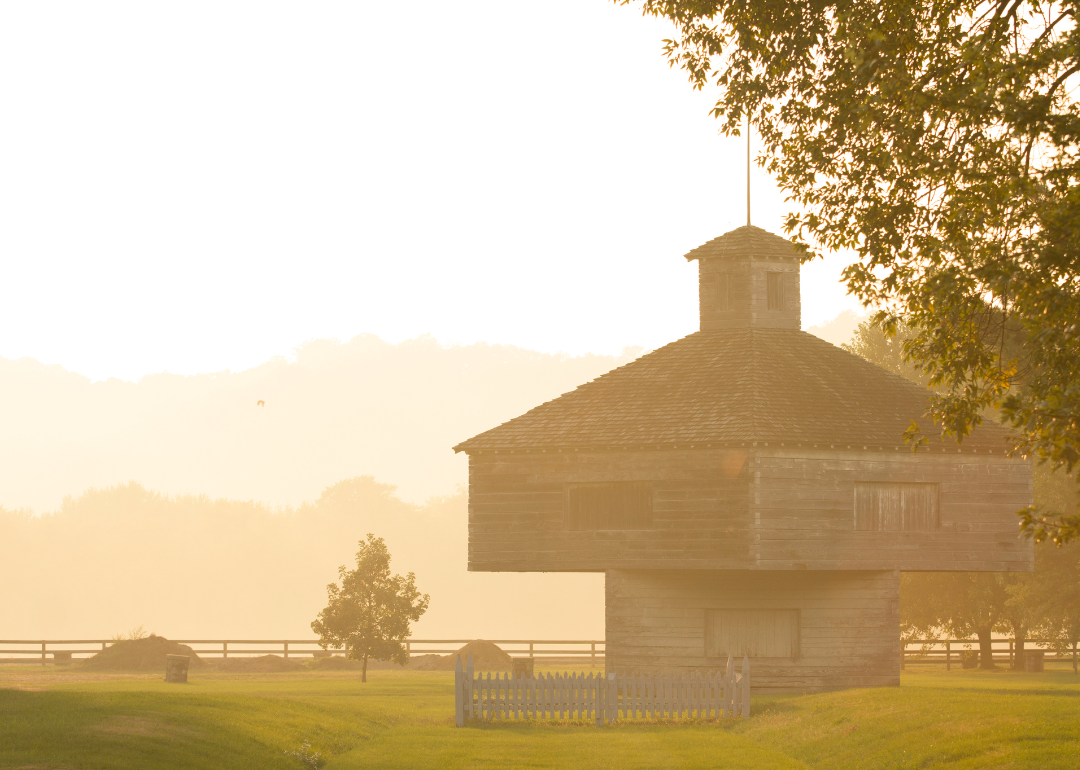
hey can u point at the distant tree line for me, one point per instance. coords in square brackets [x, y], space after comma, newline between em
[1044, 604]
[193, 566]
[190, 565]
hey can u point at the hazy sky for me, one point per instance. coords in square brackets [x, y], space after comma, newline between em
[200, 186]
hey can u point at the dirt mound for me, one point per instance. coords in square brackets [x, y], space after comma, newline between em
[485, 656]
[146, 654]
[264, 664]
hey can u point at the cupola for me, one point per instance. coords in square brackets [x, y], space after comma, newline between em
[748, 278]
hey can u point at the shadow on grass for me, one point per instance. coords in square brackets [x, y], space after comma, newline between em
[782, 705]
[1010, 691]
[128, 730]
[525, 725]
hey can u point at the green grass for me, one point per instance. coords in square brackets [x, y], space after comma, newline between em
[58, 719]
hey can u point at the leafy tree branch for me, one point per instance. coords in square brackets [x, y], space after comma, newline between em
[940, 142]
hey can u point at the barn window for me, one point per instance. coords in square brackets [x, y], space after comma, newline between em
[882, 506]
[775, 290]
[613, 505]
[716, 291]
[757, 633]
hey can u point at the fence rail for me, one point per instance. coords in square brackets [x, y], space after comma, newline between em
[949, 652]
[945, 652]
[593, 649]
[599, 697]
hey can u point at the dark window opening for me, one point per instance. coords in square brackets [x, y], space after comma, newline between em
[708, 291]
[882, 506]
[776, 290]
[755, 633]
[716, 291]
[613, 505]
[723, 292]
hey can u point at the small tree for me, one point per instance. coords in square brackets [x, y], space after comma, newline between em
[369, 614]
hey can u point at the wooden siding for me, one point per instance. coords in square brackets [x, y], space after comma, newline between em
[849, 624]
[804, 511]
[762, 508]
[755, 292]
[519, 520]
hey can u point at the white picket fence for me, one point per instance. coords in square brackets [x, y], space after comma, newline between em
[603, 699]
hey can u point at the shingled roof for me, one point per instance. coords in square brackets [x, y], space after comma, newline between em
[744, 241]
[731, 386]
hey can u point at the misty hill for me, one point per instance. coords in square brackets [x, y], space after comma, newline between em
[337, 410]
[191, 566]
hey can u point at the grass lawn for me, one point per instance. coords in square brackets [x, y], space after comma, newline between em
[57, 719]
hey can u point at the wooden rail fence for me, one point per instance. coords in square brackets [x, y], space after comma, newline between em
[598, 697]
[949, 652]
[945, 652]
[66, 649]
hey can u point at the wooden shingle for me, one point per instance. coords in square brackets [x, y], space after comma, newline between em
[733, 386]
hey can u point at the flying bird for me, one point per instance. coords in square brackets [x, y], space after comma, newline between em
[260, 403]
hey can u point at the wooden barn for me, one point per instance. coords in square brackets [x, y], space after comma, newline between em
[745, 489]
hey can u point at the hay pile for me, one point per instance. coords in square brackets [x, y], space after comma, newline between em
[485, 656]
[146, 654]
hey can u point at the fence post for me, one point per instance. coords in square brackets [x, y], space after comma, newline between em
[224, 650]
[469, 687]
[459, 695]
[729, 687]
[599, 699]
[43, 653]
[530, 649]
[745, 687]
[948, 655]
[286, 649]
[592, 661]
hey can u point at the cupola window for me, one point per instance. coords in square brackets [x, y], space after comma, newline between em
[776, 290]
[716, 292]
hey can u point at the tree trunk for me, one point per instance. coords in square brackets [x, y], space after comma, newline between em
[986, 650]
[1020, 636]
[363, 671]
